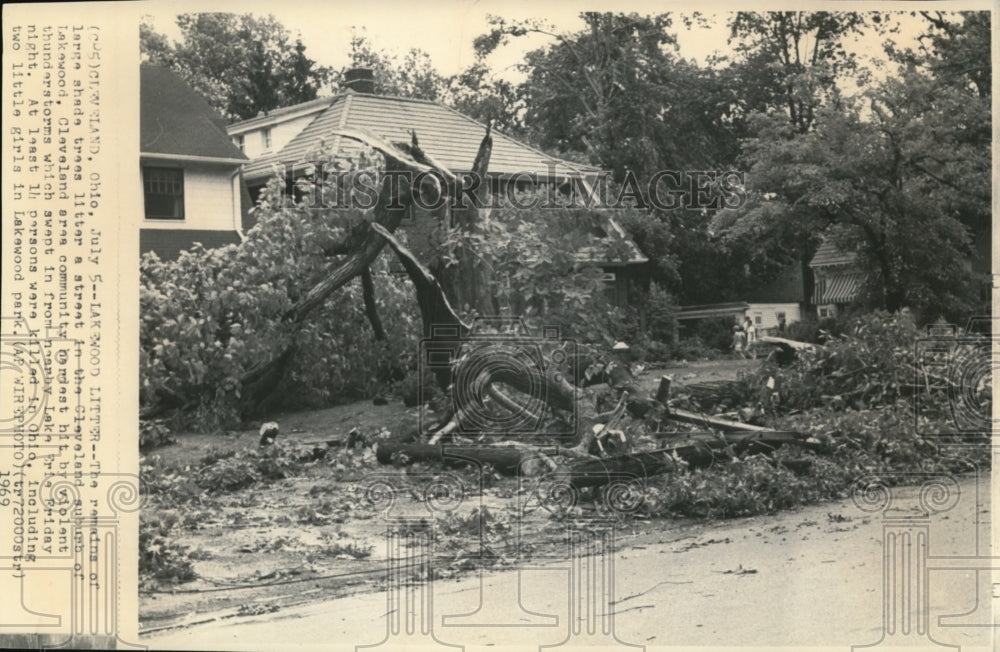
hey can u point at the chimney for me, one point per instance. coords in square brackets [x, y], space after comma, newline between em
[360, 80]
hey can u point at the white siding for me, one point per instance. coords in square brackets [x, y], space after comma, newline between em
[281, 134]
[767, 313]
[209, 200]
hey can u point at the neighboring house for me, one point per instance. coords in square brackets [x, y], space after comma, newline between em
[780, 300]
[288, 141]
[839, 280]
[189, 169]
[767, 317]
[783, 299]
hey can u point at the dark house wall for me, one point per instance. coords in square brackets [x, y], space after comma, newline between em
[168, 243]
[786, 288]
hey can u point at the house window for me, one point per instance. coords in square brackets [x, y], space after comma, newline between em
[610, 293]
[824, 313]
[239, 141]
[163, 189]
[266, 135]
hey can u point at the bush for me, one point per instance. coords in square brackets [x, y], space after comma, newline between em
[694, 348]
[871, 364]
[160, 557]
[248, 467]
[154, 433]
[715, 333]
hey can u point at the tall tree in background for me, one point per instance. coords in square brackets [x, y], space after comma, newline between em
[786, 64]
[413, 76]
[789, 61]
[242, 64]
[617, 93]
[475, 92]
[901, 174]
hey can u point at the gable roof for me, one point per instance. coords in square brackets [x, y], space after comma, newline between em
[448, 136]
[830, 254]
[175, 120]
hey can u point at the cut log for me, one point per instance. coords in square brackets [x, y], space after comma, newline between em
[694, 451]
[714, 423]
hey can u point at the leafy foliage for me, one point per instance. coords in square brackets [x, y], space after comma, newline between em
[616, 92]
[241, 63]
[545, 264]
[212, 315]
[160, 557]
[154, 433]
[870, 365]
[790, 61]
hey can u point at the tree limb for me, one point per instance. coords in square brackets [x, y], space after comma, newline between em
[368, 294]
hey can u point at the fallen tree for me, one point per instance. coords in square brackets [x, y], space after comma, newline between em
[354, 257]
[699, 450]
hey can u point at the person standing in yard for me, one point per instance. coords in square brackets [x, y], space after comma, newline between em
[739, 341]
[751, 335]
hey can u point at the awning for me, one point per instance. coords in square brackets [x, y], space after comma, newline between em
[840, 288]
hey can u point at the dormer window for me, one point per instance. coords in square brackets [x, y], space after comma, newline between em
[240, 142]
[266, 135]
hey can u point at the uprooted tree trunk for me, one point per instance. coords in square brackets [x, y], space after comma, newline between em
[481, 366]
[468, 281]
[693, 451]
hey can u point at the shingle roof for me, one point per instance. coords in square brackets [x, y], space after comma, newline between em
[830, 254]
[175, 120]
[445, 134]
[270, 116]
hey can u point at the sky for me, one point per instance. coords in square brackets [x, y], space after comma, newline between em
[445, 29]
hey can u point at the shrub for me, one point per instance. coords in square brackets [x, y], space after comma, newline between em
[154, 433]
[694, 348]
[871, 364]
[160, 557]
[248, 467]
[661, 313]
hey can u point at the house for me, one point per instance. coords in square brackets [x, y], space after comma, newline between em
[780, 301]
[766, 316]
[188, 167]
[783, 300]
[289, 140]
[839, 280]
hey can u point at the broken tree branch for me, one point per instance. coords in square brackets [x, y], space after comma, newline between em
[368, 294]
